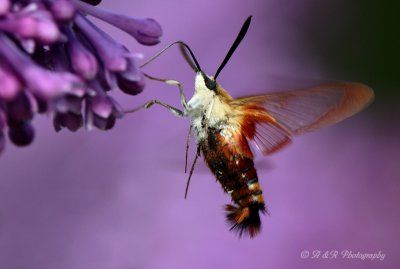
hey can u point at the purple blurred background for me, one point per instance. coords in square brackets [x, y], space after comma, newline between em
[114, 200]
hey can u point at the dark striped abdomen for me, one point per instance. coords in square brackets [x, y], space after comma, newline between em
[232, 164]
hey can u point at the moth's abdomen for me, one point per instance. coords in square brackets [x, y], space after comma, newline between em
[233, 167]
[242, 184]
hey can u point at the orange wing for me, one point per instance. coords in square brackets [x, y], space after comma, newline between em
[271, 120]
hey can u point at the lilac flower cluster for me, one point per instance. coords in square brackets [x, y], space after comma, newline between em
[54, 60]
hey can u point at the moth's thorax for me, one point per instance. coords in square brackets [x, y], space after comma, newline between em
[202, 97]
[208, 108]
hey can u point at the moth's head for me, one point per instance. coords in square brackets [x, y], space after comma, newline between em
[205, 82]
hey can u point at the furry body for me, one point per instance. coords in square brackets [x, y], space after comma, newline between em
[217, 124]
[223, 127]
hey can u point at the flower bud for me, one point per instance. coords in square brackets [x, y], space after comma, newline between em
[21, 135]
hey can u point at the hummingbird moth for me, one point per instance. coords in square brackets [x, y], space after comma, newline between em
[224, 126]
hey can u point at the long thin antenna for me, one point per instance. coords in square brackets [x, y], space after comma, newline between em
[176, 42]
[235, 44]
[187, 57]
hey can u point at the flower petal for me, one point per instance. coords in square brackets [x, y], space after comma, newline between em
[145, 30]
[62, 10]
[54, 60]
[101, 106]
[83, 61]
[9, 83]
[131, 87]
[19, 110]
[102, 123]
[2, 141]
[32, 23]
[92, 2]
[2, 120]
[41, 82]
[112, 53]
[4, 7]
[71, 121]
[68, 103]
[21, 135]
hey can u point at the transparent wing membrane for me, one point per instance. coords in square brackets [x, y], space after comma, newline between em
[270, 137]
[295, 112]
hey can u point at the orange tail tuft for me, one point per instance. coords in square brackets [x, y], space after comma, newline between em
[245, 220]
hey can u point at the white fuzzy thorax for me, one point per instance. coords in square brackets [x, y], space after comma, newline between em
[205, 103]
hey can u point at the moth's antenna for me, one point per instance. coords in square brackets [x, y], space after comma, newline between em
[176, 42]
[235, 44]
[187, 57]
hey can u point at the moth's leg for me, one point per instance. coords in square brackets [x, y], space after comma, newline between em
[172, 82]
[191, 170]
[149, 104]
[175, 111]
[193, 64]
[187, 147]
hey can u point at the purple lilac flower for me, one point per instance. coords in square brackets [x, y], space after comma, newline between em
[54, 60]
